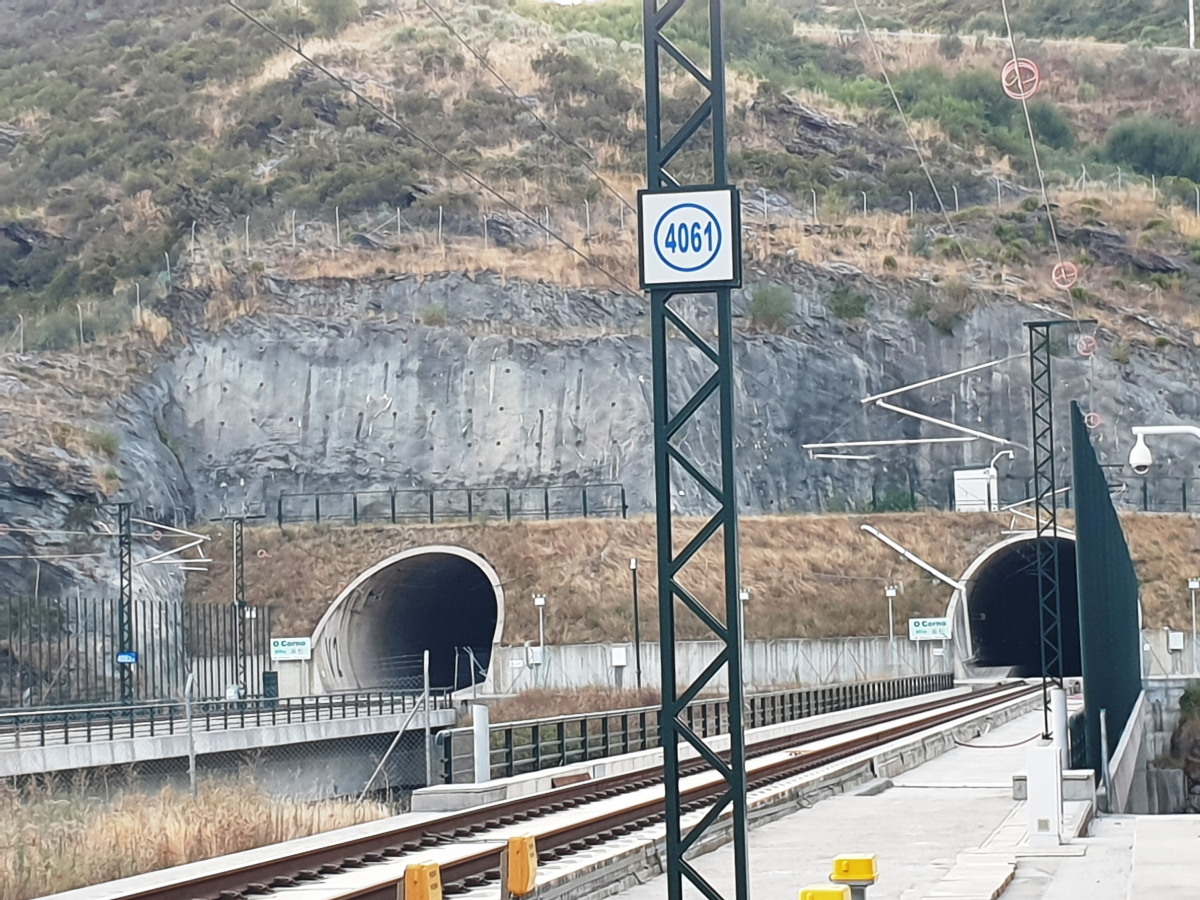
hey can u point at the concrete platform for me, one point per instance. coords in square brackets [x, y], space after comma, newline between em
[951, 830]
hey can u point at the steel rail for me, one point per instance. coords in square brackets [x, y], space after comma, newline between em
[478, 861]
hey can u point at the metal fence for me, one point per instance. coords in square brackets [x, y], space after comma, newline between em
[453, 504]
[63, 651]
[533, 745]
[87, 725]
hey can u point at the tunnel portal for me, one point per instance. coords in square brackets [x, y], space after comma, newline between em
[1002, 605]
[443, 599]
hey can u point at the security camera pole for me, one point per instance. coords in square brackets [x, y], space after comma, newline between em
[1140, 457]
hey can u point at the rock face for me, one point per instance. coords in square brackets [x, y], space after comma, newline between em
[340, 387]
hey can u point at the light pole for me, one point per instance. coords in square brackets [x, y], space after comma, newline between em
[539, 600]
[1193, 586]
[994, 476]
[637, 624]
[891, 592]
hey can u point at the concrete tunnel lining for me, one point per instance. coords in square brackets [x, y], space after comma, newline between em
[437, 598]
[999, 620]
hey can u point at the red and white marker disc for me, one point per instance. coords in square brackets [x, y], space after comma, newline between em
[1092, 420]
[1021, 78]
[156, 536]
[1086, 345]
[1064, 275]
[3, 530]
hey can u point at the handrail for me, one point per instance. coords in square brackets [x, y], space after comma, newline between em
[41, 727]
[535, 744]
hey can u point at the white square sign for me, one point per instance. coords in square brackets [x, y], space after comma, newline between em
[291, 648]
[689, 238]
[929, 630]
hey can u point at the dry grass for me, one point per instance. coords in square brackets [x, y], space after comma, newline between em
[58, 837]
[540, 703]
[810, 575]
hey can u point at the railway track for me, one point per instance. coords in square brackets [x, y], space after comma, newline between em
[468, 844]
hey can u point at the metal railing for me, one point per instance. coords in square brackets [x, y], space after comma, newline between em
[441, 504]
[86, 725]
[532, 745]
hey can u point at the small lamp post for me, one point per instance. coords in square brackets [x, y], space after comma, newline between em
[1194, 586]
[637, 624]
[539, 600]
[890, 591]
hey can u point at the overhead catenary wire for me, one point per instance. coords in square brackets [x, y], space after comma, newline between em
[1012, 43]
[429, 145]
[908, 128]
[550, 129]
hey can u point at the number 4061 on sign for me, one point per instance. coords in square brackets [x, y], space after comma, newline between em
[689, 238]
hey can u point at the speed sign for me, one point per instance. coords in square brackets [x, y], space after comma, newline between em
[689, 238]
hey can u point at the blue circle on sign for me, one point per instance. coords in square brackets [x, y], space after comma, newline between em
[687, 237]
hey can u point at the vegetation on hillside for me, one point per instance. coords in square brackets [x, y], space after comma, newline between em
[124, 126]
[1122, 21]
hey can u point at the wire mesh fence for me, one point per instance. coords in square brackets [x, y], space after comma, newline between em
[453, 504]
[59, 651]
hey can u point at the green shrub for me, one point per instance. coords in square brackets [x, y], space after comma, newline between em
[847, 304]
[771, 306]
[433, 316]
[1154, 146]
[950, 46]
[332, 15]
[106, 442]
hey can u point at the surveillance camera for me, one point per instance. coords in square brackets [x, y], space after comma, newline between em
[1140, 458]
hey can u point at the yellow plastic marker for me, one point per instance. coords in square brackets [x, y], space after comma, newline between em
[522, 865]
[857, 868]
[825, 892]
[423, 881]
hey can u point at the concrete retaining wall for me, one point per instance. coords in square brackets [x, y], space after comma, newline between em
[769, 664]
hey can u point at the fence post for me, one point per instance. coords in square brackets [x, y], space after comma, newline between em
[470, 507]
[624, 504]
[318, 508]
[392, 492]
[507, 505]
[1145, 495]
[279, 511]
[1183, 486]
[585, 509]
[546, 504]
[354, 502]
[431, 506]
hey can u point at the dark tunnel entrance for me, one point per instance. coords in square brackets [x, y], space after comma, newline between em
[1003, 607]
[442, 599]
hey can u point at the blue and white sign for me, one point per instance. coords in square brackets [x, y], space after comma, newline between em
[929, 629]
[127, 658]
[689, 238]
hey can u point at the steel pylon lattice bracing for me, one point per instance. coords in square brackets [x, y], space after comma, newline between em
[1045, 503]
[125, 602]
[707, 121]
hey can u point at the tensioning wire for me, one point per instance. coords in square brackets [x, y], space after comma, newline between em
[585, 162]
[908, 128]
[430, 146]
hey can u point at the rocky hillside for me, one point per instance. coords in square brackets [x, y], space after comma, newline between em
[341, 306]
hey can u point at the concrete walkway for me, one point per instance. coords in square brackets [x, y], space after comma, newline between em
[950, 829]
